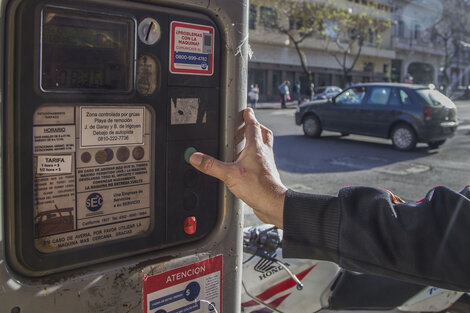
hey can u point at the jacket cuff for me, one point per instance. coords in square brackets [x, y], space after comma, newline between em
[311, 226]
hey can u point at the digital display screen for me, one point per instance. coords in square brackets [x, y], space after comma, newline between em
[89, 51]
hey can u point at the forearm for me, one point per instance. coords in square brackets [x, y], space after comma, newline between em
[311, 225]
[364, 230]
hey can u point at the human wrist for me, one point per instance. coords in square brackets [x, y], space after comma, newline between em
[276, 206]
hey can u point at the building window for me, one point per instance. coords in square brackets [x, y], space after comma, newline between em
[417, 31]
[323, 79]
[371, 36]
[277, 76]
[295, 23]
[253, 16]
[422, 73]
[368, 67]
[401, 29]
[385, 68]
[434, 38]
[396, 70]
[268, 17]
[331, 28]
[258, 77]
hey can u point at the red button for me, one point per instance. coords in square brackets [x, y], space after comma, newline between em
[190, 224]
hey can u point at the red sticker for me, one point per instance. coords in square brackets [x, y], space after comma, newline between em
[193, 288]
[191, 49]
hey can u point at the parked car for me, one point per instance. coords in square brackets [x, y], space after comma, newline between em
[405, 113]
[326, 92]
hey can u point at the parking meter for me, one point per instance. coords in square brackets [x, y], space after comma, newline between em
[103, 102]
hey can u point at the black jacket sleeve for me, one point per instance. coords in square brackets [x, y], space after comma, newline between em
[372, 231]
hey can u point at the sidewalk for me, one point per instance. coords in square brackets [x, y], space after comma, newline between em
[274, 105]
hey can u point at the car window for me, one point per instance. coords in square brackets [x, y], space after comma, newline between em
[434, 97]
[351, 96]
[379, 96]
[394, 98]
[405, 99]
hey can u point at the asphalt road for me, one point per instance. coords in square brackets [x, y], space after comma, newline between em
[326, 164]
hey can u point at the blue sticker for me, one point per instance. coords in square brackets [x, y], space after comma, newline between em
[192, 291]
[94, 202]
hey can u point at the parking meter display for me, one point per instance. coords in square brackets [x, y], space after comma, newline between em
[92, 174]
[85, 51]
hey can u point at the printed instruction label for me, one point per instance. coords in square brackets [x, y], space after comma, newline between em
[54, 164]
[104, 126]
[90, 187]
[193, 288]
[60, 138]
[191, 49]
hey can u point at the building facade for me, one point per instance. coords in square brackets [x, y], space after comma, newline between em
[408, 51]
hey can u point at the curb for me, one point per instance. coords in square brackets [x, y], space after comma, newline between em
[273, 106]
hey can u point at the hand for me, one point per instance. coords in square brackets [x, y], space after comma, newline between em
[253, 177]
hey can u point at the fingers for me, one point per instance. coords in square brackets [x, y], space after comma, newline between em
[210, 166]
[267, 134]
[252, 129]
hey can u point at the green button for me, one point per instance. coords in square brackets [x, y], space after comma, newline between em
[188, 153]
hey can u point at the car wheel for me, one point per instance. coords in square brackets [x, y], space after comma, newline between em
[436, 144]
[403, 137]
[312, 126]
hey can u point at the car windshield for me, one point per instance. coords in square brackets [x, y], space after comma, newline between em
[435, 98]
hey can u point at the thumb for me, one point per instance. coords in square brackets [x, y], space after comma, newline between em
[209, 165]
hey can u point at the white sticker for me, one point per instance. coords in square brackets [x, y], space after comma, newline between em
[184, 111]
[111, 126]
[49, 115]
[101, 190]
[54, 164]
[58, 138]
[191, 49]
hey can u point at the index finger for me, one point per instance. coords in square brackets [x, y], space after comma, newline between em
[252, 127]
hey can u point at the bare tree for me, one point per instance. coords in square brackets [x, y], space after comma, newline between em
[349, 31]
[298, 19]
[302, 19]
[450, 31]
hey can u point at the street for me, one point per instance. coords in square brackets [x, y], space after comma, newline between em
[326, 164]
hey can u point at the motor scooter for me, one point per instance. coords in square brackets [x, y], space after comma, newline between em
[274, 284]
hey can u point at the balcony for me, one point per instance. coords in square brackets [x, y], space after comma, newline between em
[418, 45]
